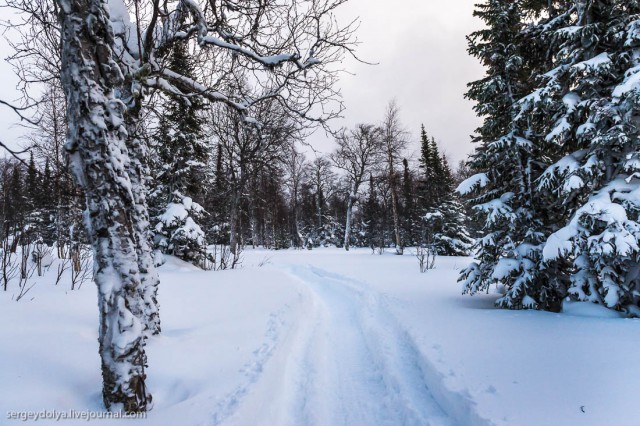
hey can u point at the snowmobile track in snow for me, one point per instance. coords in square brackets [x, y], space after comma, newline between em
[346, 361]
[252, 370]
[353, 362]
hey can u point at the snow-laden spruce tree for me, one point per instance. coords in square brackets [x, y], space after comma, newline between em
[442, 214]
[594, 88]
[322, 186]
[570, 104]
[507, 161]
[410, 214]
[428, 187]
[180, 155]
[452, 237]
[178, 233]
[371, 216]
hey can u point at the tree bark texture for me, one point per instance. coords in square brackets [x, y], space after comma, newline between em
[99, 158]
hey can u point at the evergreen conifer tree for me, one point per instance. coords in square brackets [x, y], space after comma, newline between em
[442, 214]
[507, 160]
[452, 237]
[371, 216]
[35, 216]
[410, 214]
[16, 203]
[32, 185]
[426, 187]
[181, 156]
[592, 102]
[47, 204]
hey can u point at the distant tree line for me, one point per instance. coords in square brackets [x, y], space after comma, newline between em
[225, 183]
[39, 203]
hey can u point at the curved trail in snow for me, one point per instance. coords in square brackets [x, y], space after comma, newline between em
[337, 358]
[352, 363]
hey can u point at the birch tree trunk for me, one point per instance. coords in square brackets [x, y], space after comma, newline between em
[347, 226]
[99, 158]
[394, 144]
[319, 209]
[394, 205]
[138, 171]
[234, 215]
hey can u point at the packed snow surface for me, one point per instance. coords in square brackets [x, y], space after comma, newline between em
[328, 337]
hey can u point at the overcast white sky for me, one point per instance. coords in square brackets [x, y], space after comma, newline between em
[420, 46]
[9, 131]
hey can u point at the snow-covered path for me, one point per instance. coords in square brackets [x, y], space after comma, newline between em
[353, 364]
[298, 338]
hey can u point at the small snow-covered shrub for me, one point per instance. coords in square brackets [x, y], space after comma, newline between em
[178, 233]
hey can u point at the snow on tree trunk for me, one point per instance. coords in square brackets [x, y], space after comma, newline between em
[149, 279]
[99, 160]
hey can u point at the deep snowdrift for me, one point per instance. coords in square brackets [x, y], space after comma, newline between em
[327, 337]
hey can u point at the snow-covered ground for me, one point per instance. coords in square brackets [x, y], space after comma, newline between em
[325, 337]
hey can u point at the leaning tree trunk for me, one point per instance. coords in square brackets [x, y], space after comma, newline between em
[99, 160]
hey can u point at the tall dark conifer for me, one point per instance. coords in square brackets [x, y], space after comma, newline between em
[508, 160]
[561, 94]
[452, 237]
[371, 216]
[410, 215]
[17, 203]
[32, 185]
[181, 156]
[591, 99]
[426, 187]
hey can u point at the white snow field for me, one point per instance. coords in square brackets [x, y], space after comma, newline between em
[326, 337]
